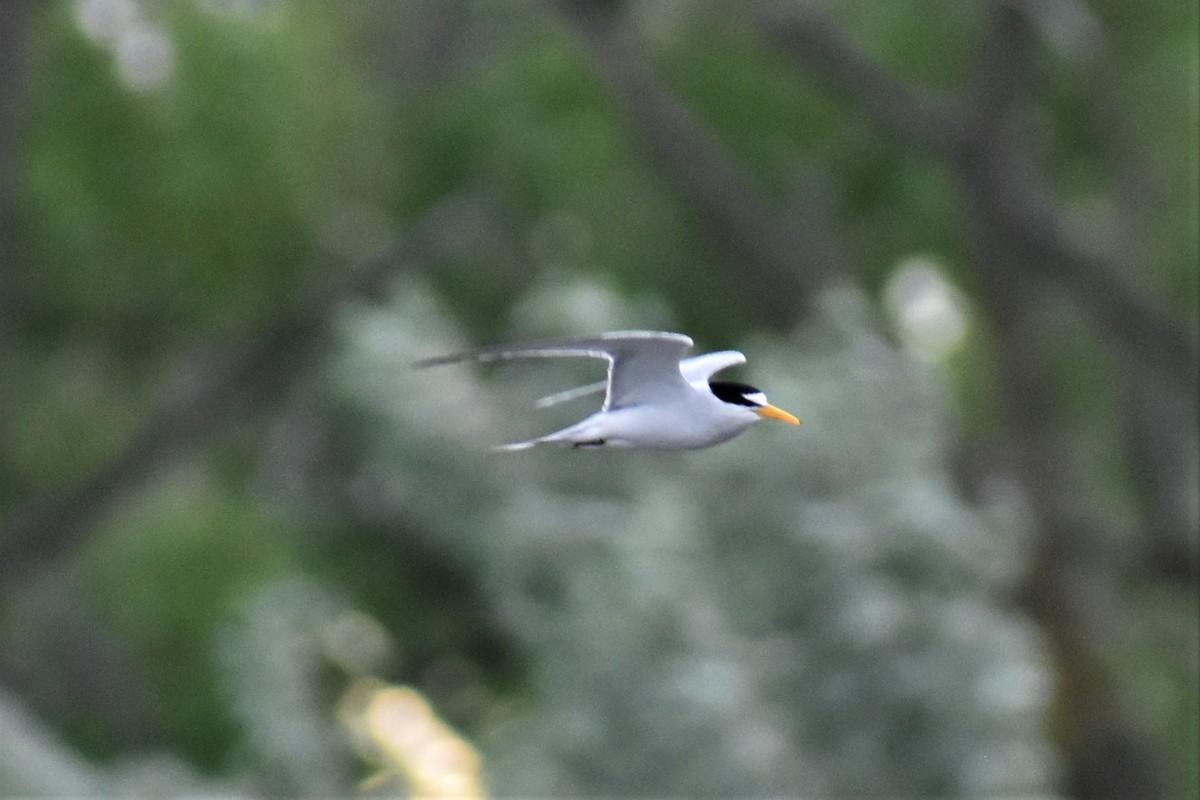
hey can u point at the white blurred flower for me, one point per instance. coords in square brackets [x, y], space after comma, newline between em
[145, 57]
[105, 20]
[929, 313]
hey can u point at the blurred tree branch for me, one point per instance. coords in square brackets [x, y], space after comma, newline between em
[1018, 227]
[212, 387]
[14, 18]
[999, 175]
[1021, 233]
[1066, 583]
[63, 662]
[785, 260]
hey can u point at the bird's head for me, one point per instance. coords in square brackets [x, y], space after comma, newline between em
[750, 398]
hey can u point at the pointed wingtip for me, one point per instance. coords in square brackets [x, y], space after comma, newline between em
[571, 394]
[436, 361]
[514, 446]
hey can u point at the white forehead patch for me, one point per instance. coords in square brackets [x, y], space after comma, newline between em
[758, 398]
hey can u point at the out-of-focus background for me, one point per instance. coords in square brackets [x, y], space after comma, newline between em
[246, 550]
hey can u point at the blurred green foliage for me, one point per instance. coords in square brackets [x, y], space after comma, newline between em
[152, 217]
[163, 576]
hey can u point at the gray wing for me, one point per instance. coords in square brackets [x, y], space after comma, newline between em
[567, 395]
[645, 368]
[695, 369]
[701, 368]
[559, 348]
[643, 365]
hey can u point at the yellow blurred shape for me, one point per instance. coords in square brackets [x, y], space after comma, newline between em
[396, 727]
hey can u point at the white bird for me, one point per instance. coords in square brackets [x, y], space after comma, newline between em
[654, 397]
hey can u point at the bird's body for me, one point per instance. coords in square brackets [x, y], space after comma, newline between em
[692, 421]
[654, 397]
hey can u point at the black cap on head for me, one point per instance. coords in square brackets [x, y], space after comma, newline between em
[738, 394]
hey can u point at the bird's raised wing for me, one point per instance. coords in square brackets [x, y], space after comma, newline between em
[696, 369]
[701, 368]
[643, 365]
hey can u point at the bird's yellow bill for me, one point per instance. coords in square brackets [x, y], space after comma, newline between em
[776, 413]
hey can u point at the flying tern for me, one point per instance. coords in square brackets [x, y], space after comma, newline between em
[654, 398]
